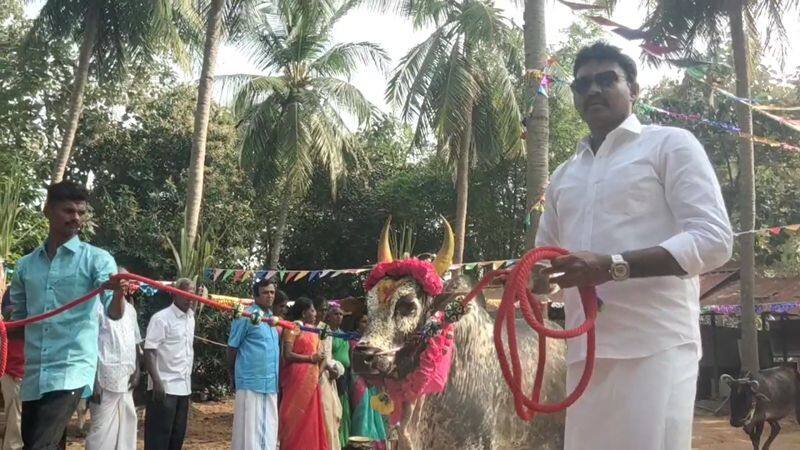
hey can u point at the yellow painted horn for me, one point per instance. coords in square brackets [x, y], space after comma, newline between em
[384, 250]
[444, 259]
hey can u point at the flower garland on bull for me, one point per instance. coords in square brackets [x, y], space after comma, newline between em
[395, 289]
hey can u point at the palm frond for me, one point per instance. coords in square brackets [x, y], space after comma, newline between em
[345, 59]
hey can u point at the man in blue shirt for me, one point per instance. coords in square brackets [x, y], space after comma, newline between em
[60, 352]
[253, 369]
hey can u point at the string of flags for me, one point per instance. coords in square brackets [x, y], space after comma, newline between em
[312, 275]
[773, 231]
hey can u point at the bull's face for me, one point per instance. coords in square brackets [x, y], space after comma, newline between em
[743, 399]
[397, 309]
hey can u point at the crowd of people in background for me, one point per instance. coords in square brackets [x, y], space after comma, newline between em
[293, 388]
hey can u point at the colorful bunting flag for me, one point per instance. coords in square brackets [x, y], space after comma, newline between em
[581, 6]
[217, 273]
[227, 275]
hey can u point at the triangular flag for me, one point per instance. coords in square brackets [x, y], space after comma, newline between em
[290, 274]
[580, 6]
[208, 273]
[336, 273]
[497, 264]
[775, 231]
[313, 275]
[270, 274]
[237, 277]
[282, 275]
[217, 273]
[248, 274]
[227, 275]
[324, 273]
[300, 275]
[357, 271]
[629, 33]
[510, 262]
[470, 266]
[260, 274]
[792, 228]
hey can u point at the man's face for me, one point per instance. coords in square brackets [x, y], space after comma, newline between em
[266, 296]
[65, 217]
[603, 96]
[181, 302]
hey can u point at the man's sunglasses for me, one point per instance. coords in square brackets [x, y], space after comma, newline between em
[604, 80]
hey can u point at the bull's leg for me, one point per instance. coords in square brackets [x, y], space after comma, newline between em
[755, 434]
[774, 429]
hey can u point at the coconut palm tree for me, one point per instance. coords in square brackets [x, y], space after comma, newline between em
[294, 119]
[537, 118]
[696, 21]
[458, 88]
[112, 34]
[222, 18]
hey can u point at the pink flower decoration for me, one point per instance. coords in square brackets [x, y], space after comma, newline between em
[422, 272]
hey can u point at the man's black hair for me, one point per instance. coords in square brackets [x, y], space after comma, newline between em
[261, 283]
[66, 190]
[603, 51]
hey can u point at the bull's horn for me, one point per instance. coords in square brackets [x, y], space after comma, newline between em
[384, 250]
[754, 384]
[725, 378]
[444, 259]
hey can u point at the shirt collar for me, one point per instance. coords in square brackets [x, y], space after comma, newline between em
[630, 125]
[72, 245]
[177, 311]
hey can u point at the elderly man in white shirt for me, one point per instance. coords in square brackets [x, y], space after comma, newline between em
[640, 208]
[168, 356]
[111, 405]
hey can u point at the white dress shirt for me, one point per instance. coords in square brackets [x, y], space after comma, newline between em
[116, 342]
[171, 334]
[646, 186]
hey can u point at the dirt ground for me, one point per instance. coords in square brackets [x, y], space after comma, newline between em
[210, 427]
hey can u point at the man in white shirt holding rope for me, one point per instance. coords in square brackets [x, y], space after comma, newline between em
[640, 208]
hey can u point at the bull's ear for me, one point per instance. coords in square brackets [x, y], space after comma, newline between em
[762, 397]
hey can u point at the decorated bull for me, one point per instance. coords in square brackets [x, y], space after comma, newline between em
[440, 376]
[769, 396]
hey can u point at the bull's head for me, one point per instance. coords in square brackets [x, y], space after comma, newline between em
[401, 295]
[744, 398]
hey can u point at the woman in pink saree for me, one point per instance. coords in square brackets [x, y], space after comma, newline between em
[302, 425]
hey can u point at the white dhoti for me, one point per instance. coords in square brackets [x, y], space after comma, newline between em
[635, 404]
[113, 423]
[255, 421]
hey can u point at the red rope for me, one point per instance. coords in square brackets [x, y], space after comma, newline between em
[126, 276]
[516, 292]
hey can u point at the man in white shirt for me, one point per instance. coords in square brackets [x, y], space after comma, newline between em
[168, 356]
[640, 208]
[111, 405]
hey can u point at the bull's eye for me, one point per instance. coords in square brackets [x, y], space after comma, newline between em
[406, 306]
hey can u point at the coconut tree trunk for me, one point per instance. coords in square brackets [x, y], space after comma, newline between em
[2, 278]
[462, 196]
[747, 188]
[280, 230]
[76, 97]
[194, 186]
[537, 120]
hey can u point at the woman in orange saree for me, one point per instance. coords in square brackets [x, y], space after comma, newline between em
[300, 415]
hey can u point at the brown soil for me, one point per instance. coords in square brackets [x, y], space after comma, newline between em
[210, 427]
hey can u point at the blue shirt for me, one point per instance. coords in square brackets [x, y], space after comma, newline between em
[60, 352]
[256, 356]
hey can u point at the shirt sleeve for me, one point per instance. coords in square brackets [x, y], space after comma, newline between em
[137, 334]
[156, 333]
[105, 266]
[19, 300]
[238, 332]
[705, 241]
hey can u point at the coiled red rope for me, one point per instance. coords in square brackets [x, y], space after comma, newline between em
[4, 326]
[517, 292]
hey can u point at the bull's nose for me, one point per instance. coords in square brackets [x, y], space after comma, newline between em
[368, 360]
